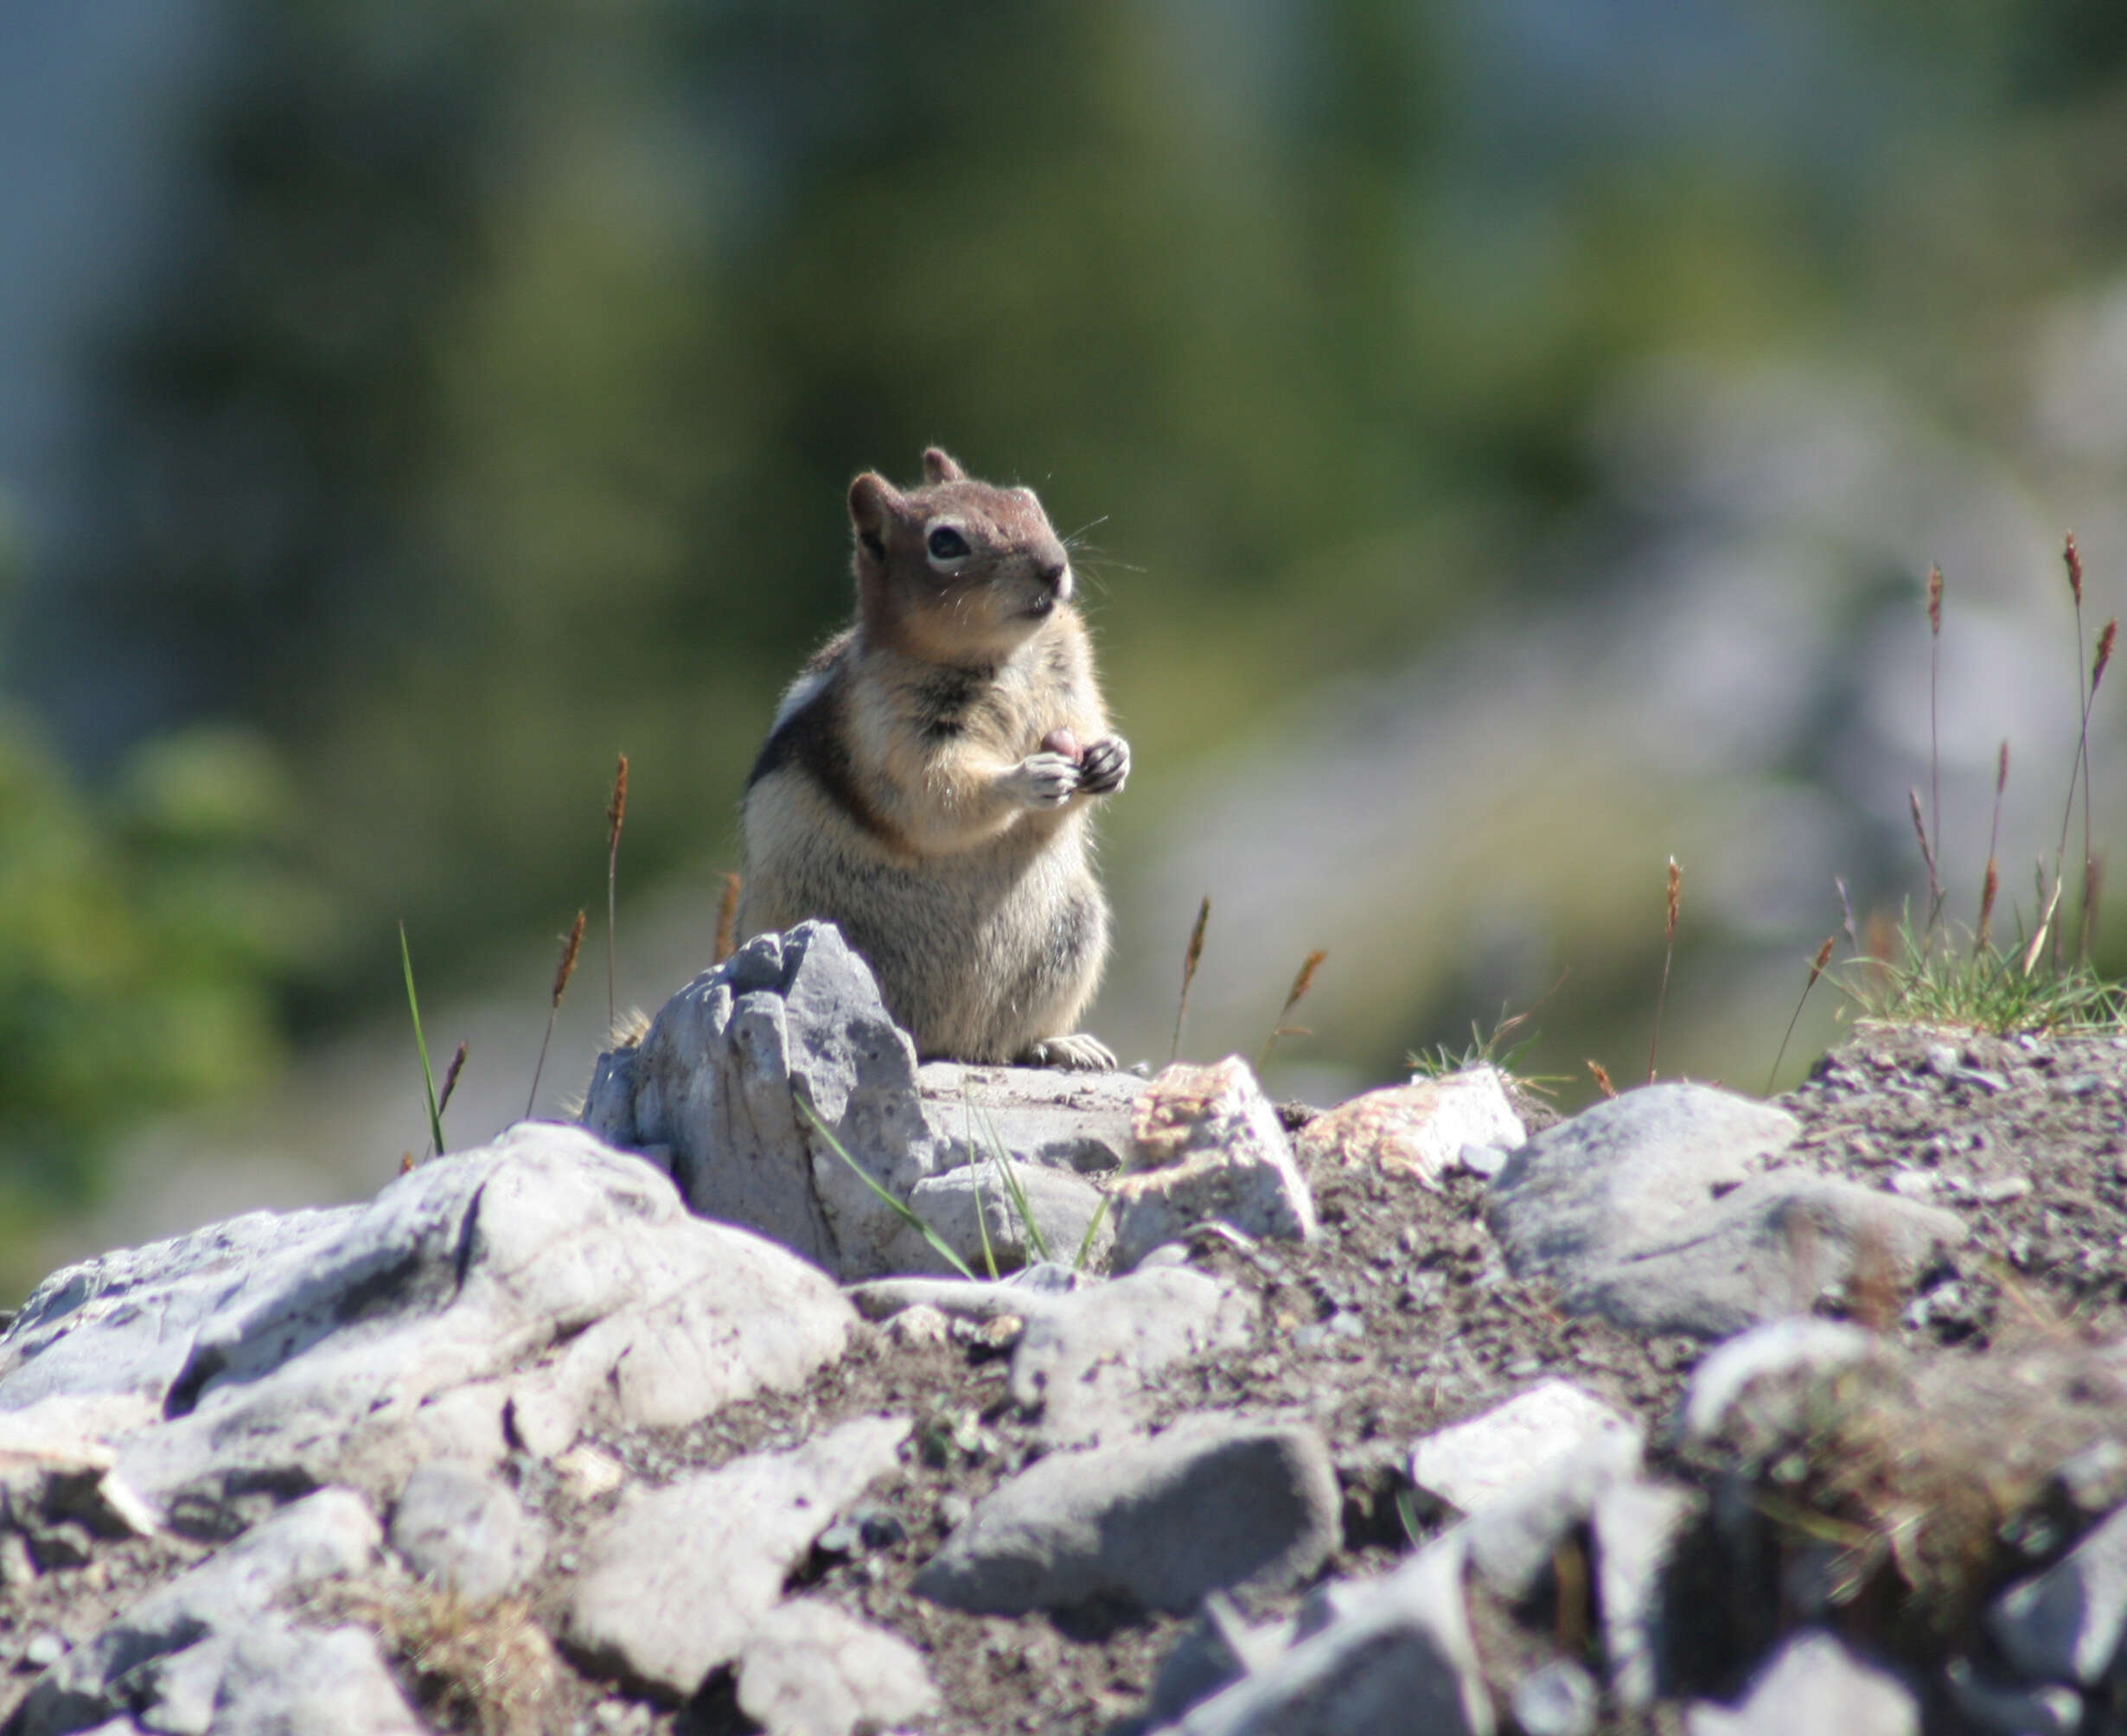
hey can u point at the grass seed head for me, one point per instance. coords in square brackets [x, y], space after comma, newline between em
[1675, 892]
[2073, 556]
[450, 1079]
[2104, 654]
[1816, 966]
[1934, 601]
[1602, 1079]
[617, 809]
[566, 968]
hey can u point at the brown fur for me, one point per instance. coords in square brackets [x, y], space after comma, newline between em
[904, 793]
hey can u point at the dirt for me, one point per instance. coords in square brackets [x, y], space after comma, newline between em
[1400, 1319]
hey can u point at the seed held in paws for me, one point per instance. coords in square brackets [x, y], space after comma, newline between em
[1061, 741]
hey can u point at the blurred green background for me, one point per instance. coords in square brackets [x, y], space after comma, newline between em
[1509, 435]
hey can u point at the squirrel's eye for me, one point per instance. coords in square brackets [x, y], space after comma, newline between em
[947, 543]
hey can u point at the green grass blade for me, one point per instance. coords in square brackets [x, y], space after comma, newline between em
[1085, 1243]
[899, 1208]
[1035, 1239]
[982, 1223]
[974, 1179]
[428, 1077]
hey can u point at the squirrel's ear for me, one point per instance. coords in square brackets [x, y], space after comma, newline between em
[938, 466]
[872, 499]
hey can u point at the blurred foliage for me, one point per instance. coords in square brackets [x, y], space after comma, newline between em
[141, 933]
[493, 412]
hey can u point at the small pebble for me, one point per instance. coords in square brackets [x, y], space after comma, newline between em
[1483, 1160]
[1998, 1189]
[1911, 1184]
[1560, 1699]
[45, 1648]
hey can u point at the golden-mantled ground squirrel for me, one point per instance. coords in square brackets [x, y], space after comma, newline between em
[927, 782]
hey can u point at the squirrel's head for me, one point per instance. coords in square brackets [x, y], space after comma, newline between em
[955, 571]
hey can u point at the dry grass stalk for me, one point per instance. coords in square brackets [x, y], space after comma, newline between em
[563, 971]
[2093, 883]
[615, 816]
[1602, 1079]
[1989, 889]
[2073, 559]
[450, 1079]
[2106, 640]
[2045, 922]
[1301, 984]
[1927, 855]
[1993, 884]
[1846, 916]
[1190, 959]
[727, 921]
[1669, 952]
[1817, 969]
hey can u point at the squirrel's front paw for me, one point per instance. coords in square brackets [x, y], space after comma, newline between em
[1045, 779]
[1104, 766]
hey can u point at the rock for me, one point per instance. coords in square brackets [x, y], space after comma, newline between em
[921, 1326]
[1627, 1172]
[1214, 1652]
[280, 1679]
[1770, 1247]
[1418, 1129]
[1215, 1502]
[466, 1533]
[1484, 1162]
[1990, 1709]
[719, 1077]
[811, 1670]
[1750, 1393]
[723, 1082]
[1028, 1291]
[1637, 1529]
[1070, 1215]
[1208, 1147]
[674, 1583]
[179, 1690]
[57, 1465]
[1088, 1350]
[1557, 1699]
[2066, 1624]
[1475, 1463]
[124, 1322]
[325, 1536]
[1400, 1659]
[44, 1650]
[1088, 1361]
[543, 1275]
[1513, 1537]
[1815, 1683]
[1646, 1211]
[1044, 1117]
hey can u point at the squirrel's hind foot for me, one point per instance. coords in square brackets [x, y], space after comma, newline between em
[1077, 1053]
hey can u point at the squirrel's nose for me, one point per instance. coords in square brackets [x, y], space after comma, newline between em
[1056, 574]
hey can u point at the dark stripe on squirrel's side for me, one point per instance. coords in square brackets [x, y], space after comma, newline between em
[943, 697]
[813, 739]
